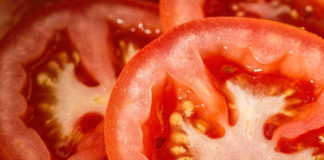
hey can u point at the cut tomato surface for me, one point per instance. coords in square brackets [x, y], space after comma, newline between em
[221, 88]
[57, 67]
[305, 14]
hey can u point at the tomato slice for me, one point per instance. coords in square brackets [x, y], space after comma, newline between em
[307, 15]
[220, 88]
[58, 67]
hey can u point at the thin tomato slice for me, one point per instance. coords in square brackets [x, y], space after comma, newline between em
[307, 15]
[213, 89]
[58, 67]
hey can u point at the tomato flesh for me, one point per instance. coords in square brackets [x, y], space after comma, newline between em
[167, 118]
[303, 15]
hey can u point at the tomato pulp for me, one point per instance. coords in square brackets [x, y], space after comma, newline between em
[221, 88]
[58, 67]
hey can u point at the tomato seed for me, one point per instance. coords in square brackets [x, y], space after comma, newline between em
[201, 126]
[294, 102]
[240, 14]
[54, 66]
[44, 79]
[176, 119]
[185, 158]
[294, 14]
[179, 138]
[287, 93]
[177, 150]
[63, 57]
[187, 107]
[46, 108]
[309, 8]
[76, 58]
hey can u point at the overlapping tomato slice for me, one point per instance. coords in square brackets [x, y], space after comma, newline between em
[305, 14]
[58, 67]
[221, 88]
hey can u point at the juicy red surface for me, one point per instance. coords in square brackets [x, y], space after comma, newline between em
[310, 21]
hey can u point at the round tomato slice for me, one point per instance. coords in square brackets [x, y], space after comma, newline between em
[221, 88]
[57, 69]
[307, 15]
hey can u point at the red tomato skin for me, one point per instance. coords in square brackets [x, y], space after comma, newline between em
[131, 99]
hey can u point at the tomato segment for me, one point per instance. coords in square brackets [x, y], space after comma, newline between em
[58, 67]
[206, 89]
[307, 15]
